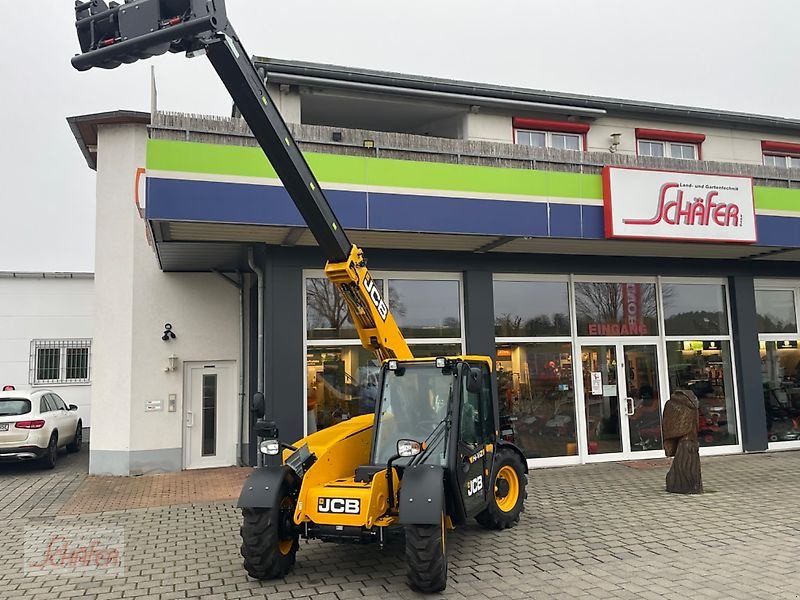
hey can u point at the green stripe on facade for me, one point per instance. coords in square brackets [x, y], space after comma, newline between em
[771, 198]
[240, 161]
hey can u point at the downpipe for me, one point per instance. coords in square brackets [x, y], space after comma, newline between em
[260, 335]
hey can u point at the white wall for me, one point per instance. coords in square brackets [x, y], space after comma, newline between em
[488, 126]
[44, 307]
[720, 145]
[288, 102]
[134, 299]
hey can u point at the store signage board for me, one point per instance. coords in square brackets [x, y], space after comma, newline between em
[665, 205]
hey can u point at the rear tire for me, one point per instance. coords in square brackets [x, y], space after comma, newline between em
[77, 442]
[508, 491]
[268, 553]
[51, 455]
[426, 557]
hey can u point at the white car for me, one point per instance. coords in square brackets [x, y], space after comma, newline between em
[36, 425]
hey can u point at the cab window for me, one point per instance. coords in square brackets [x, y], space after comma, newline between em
[471, 421]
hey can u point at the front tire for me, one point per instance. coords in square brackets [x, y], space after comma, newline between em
[426, 557]
[268, 548]
[508, 492]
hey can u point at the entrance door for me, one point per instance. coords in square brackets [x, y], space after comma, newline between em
[621, 401]
[210, 413]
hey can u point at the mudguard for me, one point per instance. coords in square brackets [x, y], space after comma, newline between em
[262, 487]
[514, 448]
[421, 497]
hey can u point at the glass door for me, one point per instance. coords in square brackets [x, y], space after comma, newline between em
[621, 401]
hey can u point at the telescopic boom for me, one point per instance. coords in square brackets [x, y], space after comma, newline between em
[112, 34]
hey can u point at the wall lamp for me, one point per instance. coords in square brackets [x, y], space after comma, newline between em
[615, 137]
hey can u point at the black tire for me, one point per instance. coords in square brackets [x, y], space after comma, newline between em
[503, 512]
[51, 455]
[426, 557]
[267, 553]
[77, 442]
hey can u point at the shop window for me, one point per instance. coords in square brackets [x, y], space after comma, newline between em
[327, 317]
[780, 374]
[776, 311]
[704, 367]
[60, 361]
[342, 376]
[616, 309]
[426, 308]
[342, 383]
[531, 308]
[537, 397]
[694, 309]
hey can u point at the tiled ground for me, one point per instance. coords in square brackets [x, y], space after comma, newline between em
[601, 531]
[103, 494]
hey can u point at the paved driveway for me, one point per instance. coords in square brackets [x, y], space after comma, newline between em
[600, 531]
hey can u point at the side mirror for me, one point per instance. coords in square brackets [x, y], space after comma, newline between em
[474, 380]
[258, 405]
[407, 448]
[73, 407]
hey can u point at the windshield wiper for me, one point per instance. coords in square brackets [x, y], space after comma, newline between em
[438, 434]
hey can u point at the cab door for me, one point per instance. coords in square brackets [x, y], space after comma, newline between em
[473, 437]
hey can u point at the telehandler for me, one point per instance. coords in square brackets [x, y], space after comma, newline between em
[431, 455]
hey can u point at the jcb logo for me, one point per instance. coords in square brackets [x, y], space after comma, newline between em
[375, 296]
[349, 506]
[474, 485]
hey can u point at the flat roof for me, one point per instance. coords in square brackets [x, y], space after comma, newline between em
[84, 128]
[293, 71]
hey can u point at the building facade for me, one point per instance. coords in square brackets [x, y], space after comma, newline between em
[46, 334]
[605, 252]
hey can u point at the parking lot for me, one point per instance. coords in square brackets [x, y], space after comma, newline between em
[598, 531]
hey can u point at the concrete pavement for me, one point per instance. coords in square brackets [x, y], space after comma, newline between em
[598, 531]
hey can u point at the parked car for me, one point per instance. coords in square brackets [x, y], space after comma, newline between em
[35, 425]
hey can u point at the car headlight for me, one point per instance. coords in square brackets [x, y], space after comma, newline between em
[270, 447]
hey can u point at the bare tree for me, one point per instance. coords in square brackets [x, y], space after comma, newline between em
[326, 307]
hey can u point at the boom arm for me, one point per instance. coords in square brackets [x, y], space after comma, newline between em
[124, 33]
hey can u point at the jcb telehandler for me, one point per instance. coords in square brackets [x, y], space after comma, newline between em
[431, 456]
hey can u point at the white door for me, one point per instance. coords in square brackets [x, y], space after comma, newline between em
[210, 415]
[621, 401]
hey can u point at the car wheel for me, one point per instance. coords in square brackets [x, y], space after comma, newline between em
[51, 456]
[77, 442]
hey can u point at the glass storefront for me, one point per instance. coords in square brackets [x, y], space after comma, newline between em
[583, 366]
[342, 376]
[704, 367]
[699, 356]
[537, 397]
[632, 343]
[779, 347]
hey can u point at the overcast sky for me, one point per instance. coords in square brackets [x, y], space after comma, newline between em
[731, 55]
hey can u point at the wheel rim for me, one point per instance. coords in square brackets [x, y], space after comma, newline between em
[506, 502]
[285, 545]
[53, 449]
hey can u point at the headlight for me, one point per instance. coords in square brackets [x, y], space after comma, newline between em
[270, 447]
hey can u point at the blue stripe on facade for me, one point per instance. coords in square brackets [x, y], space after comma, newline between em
[565, 220]
[398, 212]
[777, 231]
[219, 202]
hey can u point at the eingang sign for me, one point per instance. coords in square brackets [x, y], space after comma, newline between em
[641, 204]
